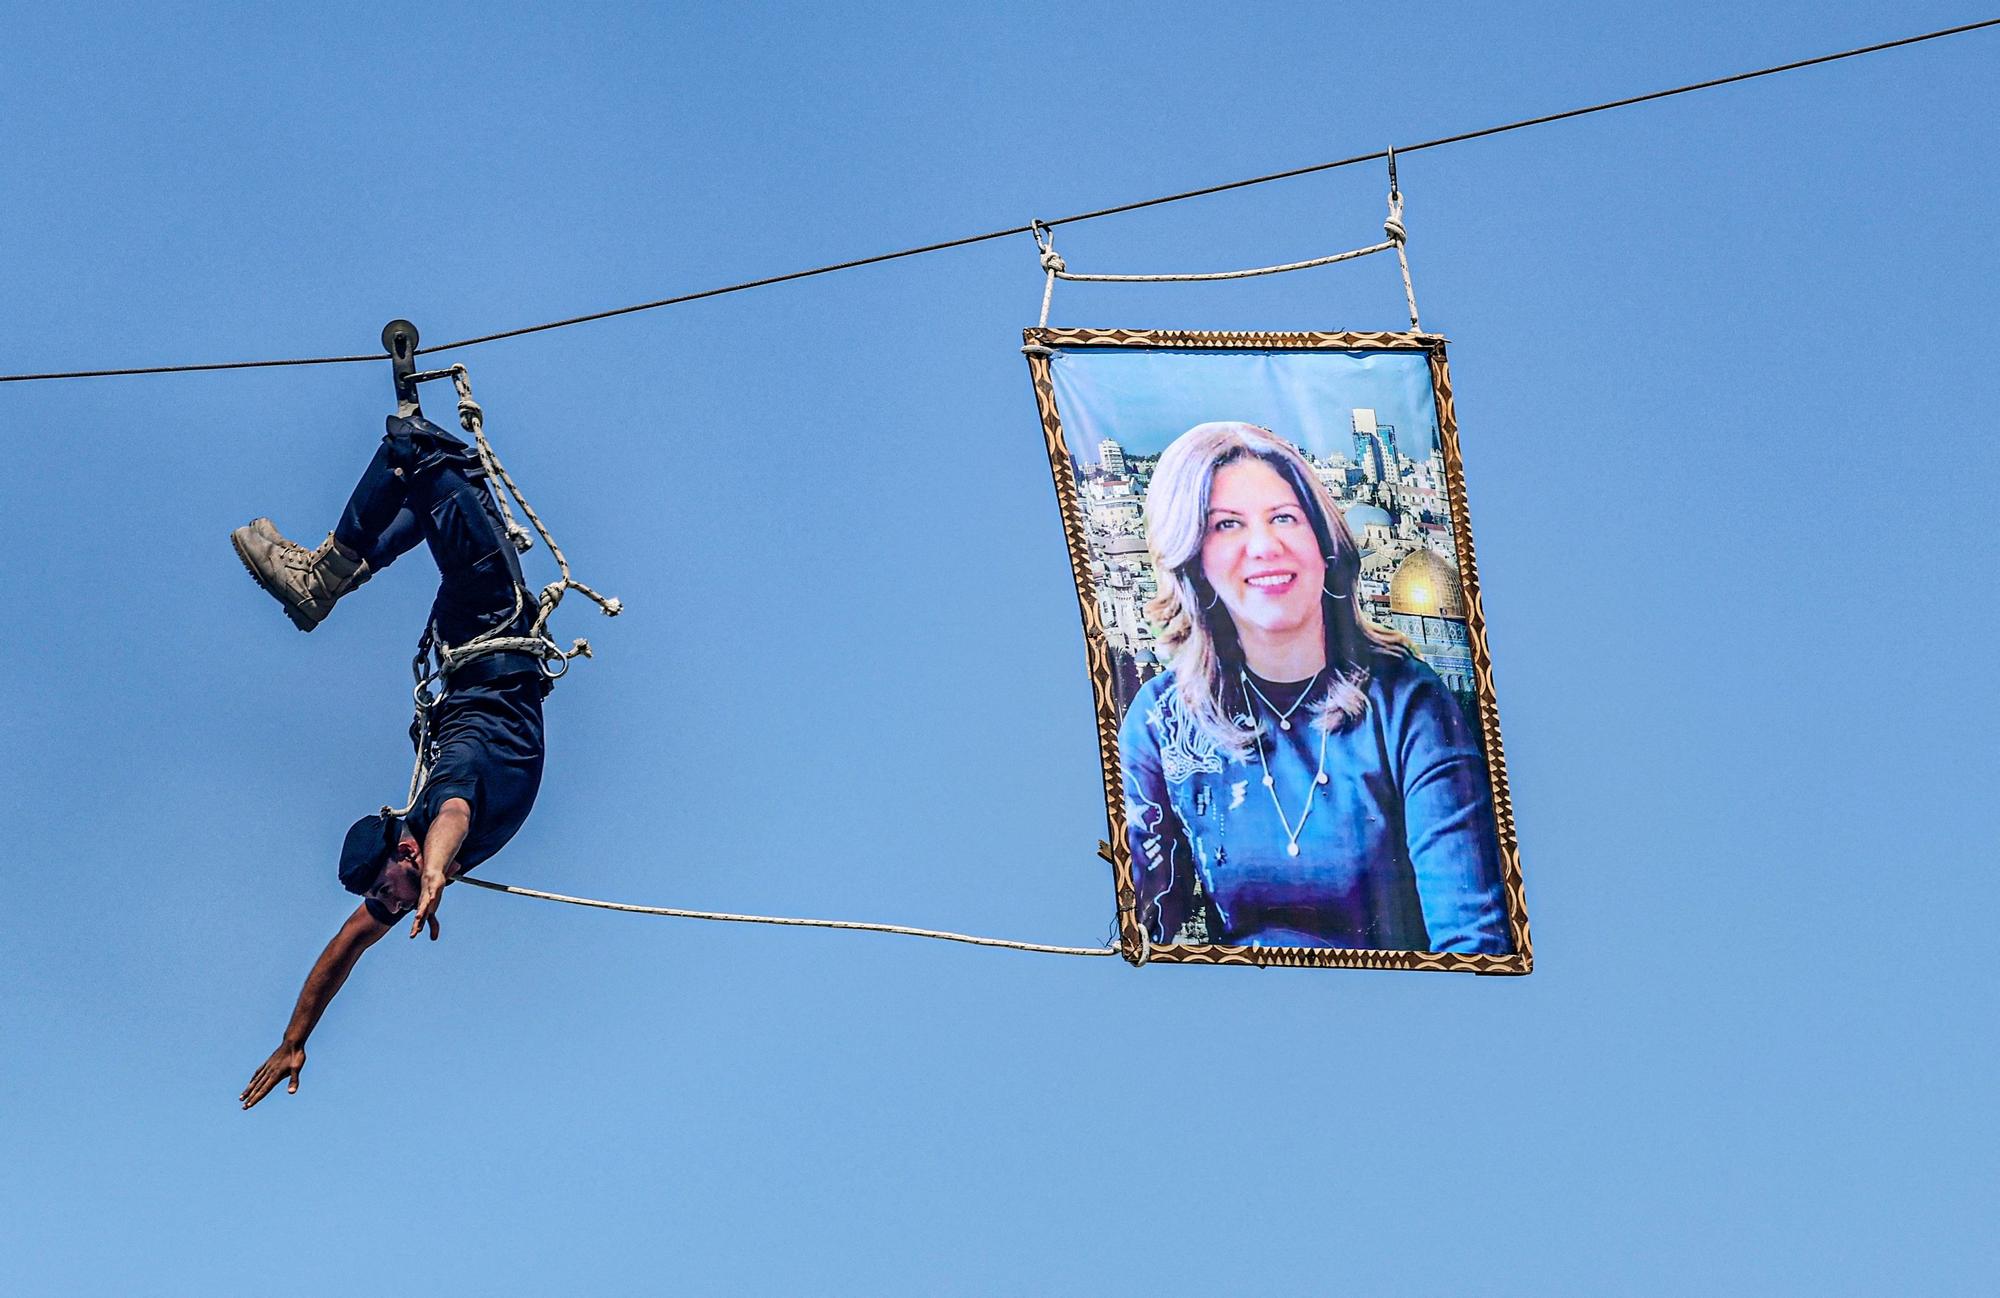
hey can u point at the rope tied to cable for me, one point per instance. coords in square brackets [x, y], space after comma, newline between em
[1393, 226]
[1052, 262]
[1396, 235]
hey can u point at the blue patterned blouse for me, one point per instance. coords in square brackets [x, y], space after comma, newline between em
[1393, 850]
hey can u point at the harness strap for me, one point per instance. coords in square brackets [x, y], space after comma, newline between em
[437, 664]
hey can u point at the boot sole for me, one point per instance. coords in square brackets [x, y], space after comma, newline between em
[297, 620]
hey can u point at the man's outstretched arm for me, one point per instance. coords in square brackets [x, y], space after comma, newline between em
[441, 843]
[360, 932]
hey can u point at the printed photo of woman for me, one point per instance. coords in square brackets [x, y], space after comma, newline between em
[1297, 776]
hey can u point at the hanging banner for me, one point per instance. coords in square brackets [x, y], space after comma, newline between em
[1301, 752]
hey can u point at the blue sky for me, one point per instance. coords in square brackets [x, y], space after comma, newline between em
[1749, 726]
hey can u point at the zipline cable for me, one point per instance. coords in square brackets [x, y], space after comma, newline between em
[1010, 231]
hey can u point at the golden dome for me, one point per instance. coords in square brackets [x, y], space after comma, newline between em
[1426, 586]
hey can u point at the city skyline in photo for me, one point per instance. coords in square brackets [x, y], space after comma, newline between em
[1380, 463]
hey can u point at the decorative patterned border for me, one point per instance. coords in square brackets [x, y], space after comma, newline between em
[1132, 941]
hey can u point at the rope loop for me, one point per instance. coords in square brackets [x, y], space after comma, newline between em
[1393, 226]
[1052, 261]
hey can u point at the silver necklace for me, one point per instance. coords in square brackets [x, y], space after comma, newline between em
[1292, 832]
[1285, 717]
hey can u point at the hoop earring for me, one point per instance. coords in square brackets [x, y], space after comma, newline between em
[1329, 593]
[1215, 597]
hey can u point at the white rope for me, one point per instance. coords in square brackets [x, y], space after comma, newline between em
[855, 925]
[1396, 236]
[1350, 255]
[1052, 262]
[1393, 227]
[472, 418]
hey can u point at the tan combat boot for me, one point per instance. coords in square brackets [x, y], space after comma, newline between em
[305, 582]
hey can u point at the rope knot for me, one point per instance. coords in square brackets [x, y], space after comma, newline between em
[470, 415]
[1393, 226]
[1045, 239]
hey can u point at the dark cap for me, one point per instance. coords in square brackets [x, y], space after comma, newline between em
[366, 849]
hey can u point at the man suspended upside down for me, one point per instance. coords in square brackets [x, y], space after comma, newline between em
[423, 486]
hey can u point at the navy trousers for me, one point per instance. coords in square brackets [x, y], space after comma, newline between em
[426, 486]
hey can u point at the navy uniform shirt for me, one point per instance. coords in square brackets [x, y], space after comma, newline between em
[489, 737]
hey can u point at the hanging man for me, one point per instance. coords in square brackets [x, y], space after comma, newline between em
[423, 486]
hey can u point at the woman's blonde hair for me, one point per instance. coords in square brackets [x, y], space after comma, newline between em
[1197, 631]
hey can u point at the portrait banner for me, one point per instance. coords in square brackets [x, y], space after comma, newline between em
[1295, 711]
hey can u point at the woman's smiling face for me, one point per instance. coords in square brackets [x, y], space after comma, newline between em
[1260, 554]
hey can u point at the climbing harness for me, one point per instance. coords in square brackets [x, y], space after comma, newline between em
[436, 660]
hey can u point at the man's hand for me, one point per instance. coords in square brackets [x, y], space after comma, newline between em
[441, 843]
[285, 1061]
[427, 901]
[361, 931]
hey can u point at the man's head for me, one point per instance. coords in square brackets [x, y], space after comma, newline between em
[380, 860]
